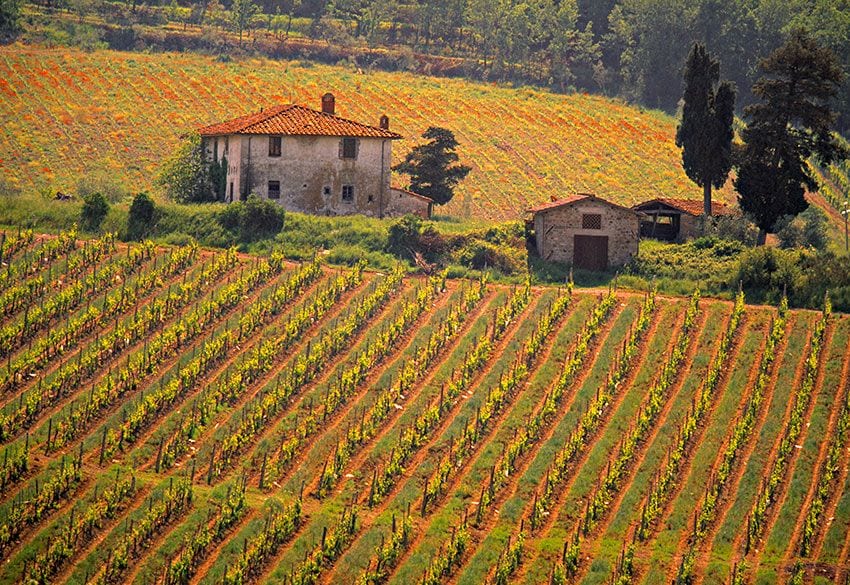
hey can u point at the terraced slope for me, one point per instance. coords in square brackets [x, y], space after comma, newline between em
[173, 415]
[65, 113]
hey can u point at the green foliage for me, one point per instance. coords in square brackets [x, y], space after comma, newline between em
[185, 176]
[792, 122]
[807, 230]
[241, 13]
[403, 235]
[140, 220]
[432, 166]
[705, 133]
[253, 219]
[10, 16]
[95, 208]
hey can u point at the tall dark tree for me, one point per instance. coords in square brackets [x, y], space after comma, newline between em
[433, 167]
[791, 122]
[705, 134]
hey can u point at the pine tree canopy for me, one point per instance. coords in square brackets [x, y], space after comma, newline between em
[433, 167]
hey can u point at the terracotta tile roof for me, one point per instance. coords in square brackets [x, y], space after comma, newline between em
[573, 199]
[412, 194]
[690, 206]
[292, 120]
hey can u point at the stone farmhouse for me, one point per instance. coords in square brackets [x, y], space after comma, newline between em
[586, 231]
[675, 220]
[311, 161]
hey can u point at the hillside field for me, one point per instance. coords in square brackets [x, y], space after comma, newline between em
[65, 114]
[176, 415]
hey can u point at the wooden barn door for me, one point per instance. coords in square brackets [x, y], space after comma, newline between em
[590, 252]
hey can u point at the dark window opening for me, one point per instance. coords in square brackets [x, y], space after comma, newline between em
[591, 221]
[274, 145]
[215, 149]
[226, 144]
[274, 189]
[370, 199]
[348, 193]
[349, 148]
[230, 196]
[326, 190]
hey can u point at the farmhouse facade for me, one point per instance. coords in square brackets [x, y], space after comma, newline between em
[586, 232]
[310, 161]
[675, 220]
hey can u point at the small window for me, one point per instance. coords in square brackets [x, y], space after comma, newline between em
[370, 198]
[226, 144]
[230, 196]
[274, 145]
[348, 193]
[215, 149]
[349, 148]
[326, 190]
[591, 221]
[274, 189]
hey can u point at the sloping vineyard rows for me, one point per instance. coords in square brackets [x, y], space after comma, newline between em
[182, 416]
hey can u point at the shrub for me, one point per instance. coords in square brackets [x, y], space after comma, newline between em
[140, 221]
[252, 220]
[403, 237]
[807, 230]
[95, 208]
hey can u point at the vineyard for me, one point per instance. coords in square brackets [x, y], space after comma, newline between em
[66, 114]
[176, 415]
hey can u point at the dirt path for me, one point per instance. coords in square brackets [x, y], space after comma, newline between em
[782, 491]
[479, 534]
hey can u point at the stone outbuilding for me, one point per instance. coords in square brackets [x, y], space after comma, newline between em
[586, 231]
[311, 161]
[675, 220]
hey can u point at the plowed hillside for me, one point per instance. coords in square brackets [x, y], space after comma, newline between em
[65, 113]
[176, 415]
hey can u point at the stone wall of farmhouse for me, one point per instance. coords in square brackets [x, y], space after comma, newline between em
[401, 202]
[311, 174]
[555, 229]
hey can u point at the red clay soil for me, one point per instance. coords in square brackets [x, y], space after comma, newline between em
[782, 493]
[837, 408]
[728, 498]
[478, 534]
[739, 463]
[367, 515]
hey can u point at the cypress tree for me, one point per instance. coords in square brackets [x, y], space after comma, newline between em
[432, 166]
[791, 122]
[705, 133]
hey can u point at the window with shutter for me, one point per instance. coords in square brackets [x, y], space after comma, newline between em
[348, 148]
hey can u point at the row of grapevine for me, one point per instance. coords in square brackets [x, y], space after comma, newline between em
[71, 535]
[12, 243]
[388, 551]
[26, 293]
[307, 365]
[187, 375]
[415, 435]
[161, 510]
[232, 384]
[195, 547]
[410, 373]
[60, 340]
[32, 262]
[737, 440]
[156, 351]
[791, 432]
[29, 508]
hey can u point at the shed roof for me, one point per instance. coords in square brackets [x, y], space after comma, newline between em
[294, 120]
[688, 206]
[412, 194]
[572, 199]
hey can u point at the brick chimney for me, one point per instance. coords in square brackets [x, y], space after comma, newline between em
[328, 104]
[384, 122]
